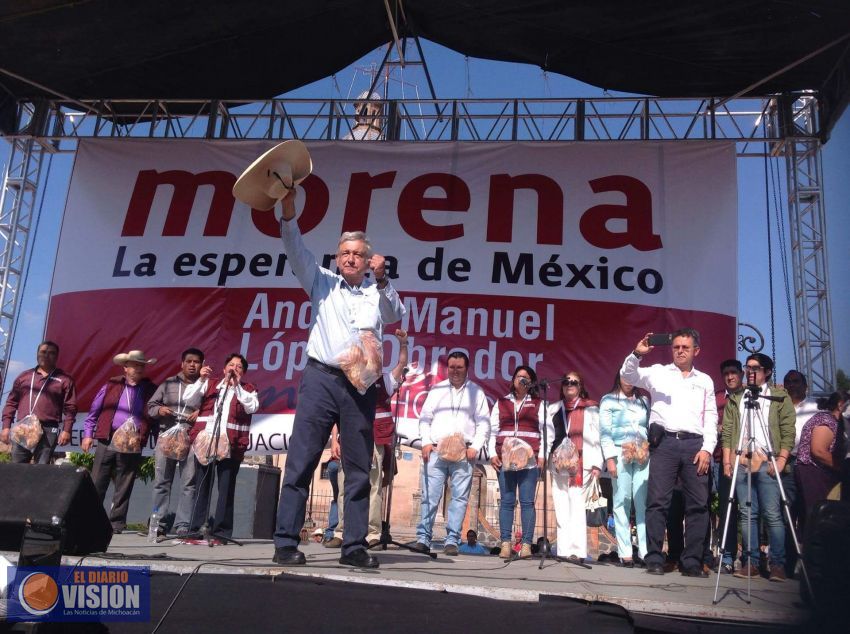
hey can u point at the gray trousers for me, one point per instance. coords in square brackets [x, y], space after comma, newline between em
[43, 451]
[164, 472]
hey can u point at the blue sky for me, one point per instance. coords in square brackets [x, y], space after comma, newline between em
[455, 76]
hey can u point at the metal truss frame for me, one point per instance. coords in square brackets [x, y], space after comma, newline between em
[808, 244]
[777, 125]
[21, 180]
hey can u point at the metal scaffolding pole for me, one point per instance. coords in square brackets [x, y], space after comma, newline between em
[802, 151]
[17, 204]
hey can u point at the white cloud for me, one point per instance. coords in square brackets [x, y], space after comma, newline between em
[16, 367]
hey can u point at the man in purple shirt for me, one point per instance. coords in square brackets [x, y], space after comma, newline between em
[47, 393]
[121, 398]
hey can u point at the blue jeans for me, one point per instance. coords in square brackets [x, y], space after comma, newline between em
[509, 481]
[435, 472]
[333, 509]
[765, 504]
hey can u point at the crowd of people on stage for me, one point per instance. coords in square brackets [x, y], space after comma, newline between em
[662, 433]
[184, 412]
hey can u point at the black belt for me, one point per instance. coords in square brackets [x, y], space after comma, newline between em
[682, 435]
[324, 367]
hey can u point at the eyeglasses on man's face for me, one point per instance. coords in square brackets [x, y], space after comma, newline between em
[754, 368]
[357, 255]
[570, 383]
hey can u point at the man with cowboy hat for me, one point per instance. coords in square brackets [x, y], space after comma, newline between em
[121, 404]
[345, 305]
[350, 311]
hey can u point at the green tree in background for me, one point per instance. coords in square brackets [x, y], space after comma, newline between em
[842, 381]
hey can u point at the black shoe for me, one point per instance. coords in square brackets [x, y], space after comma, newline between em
[359, 559]
[627, 563]
[655, 569]
[450, 550]
[727, 569]
[694, 572]
[289, 556]
[419, 547]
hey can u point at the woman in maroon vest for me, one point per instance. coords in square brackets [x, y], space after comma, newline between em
[577, 417]
[516, 426]
[233, 401]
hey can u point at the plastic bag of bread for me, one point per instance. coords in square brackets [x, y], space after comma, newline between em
[565, 458]
[27, 432]
[208, 446]
[174, 443]
[127, 438]
[635, 449]
[361, 360]
[516, 454]
[452, 448]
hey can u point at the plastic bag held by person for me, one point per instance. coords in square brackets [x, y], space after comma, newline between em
[27, 432]
[515, 454]
[361, 360]
[174, 443]
[127, 438]
[565, 458]
[452, 448]
[208, 446]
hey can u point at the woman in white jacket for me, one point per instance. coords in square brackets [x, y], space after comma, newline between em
[576, 417]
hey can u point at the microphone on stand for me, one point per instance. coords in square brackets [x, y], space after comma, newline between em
[524, 381]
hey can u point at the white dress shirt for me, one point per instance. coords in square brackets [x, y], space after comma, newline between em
[339, 310]
[805, 409]
[448, 410]
[679, 403]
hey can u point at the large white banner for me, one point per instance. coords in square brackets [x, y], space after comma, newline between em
[557, 255]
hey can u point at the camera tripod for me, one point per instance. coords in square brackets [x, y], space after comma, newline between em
[750, 399]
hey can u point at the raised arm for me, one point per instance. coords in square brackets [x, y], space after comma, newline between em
[302, 261]
[398, 370]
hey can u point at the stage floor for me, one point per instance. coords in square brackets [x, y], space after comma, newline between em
[647, 598]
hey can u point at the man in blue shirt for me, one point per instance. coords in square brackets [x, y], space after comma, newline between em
[347, 307]
[472, 547]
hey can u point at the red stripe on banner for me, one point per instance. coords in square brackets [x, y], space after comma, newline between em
[268, 327]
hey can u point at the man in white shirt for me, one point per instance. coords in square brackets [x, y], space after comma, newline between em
[683, 405]
[453, 408]
[347, 308]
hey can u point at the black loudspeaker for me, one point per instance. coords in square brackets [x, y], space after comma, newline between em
[255, 504]
[48, 498]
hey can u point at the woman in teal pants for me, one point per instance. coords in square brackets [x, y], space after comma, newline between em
[623, 420]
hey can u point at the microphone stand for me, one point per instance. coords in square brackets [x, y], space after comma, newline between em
[545, 549]
[386, 537]
[205, 532]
